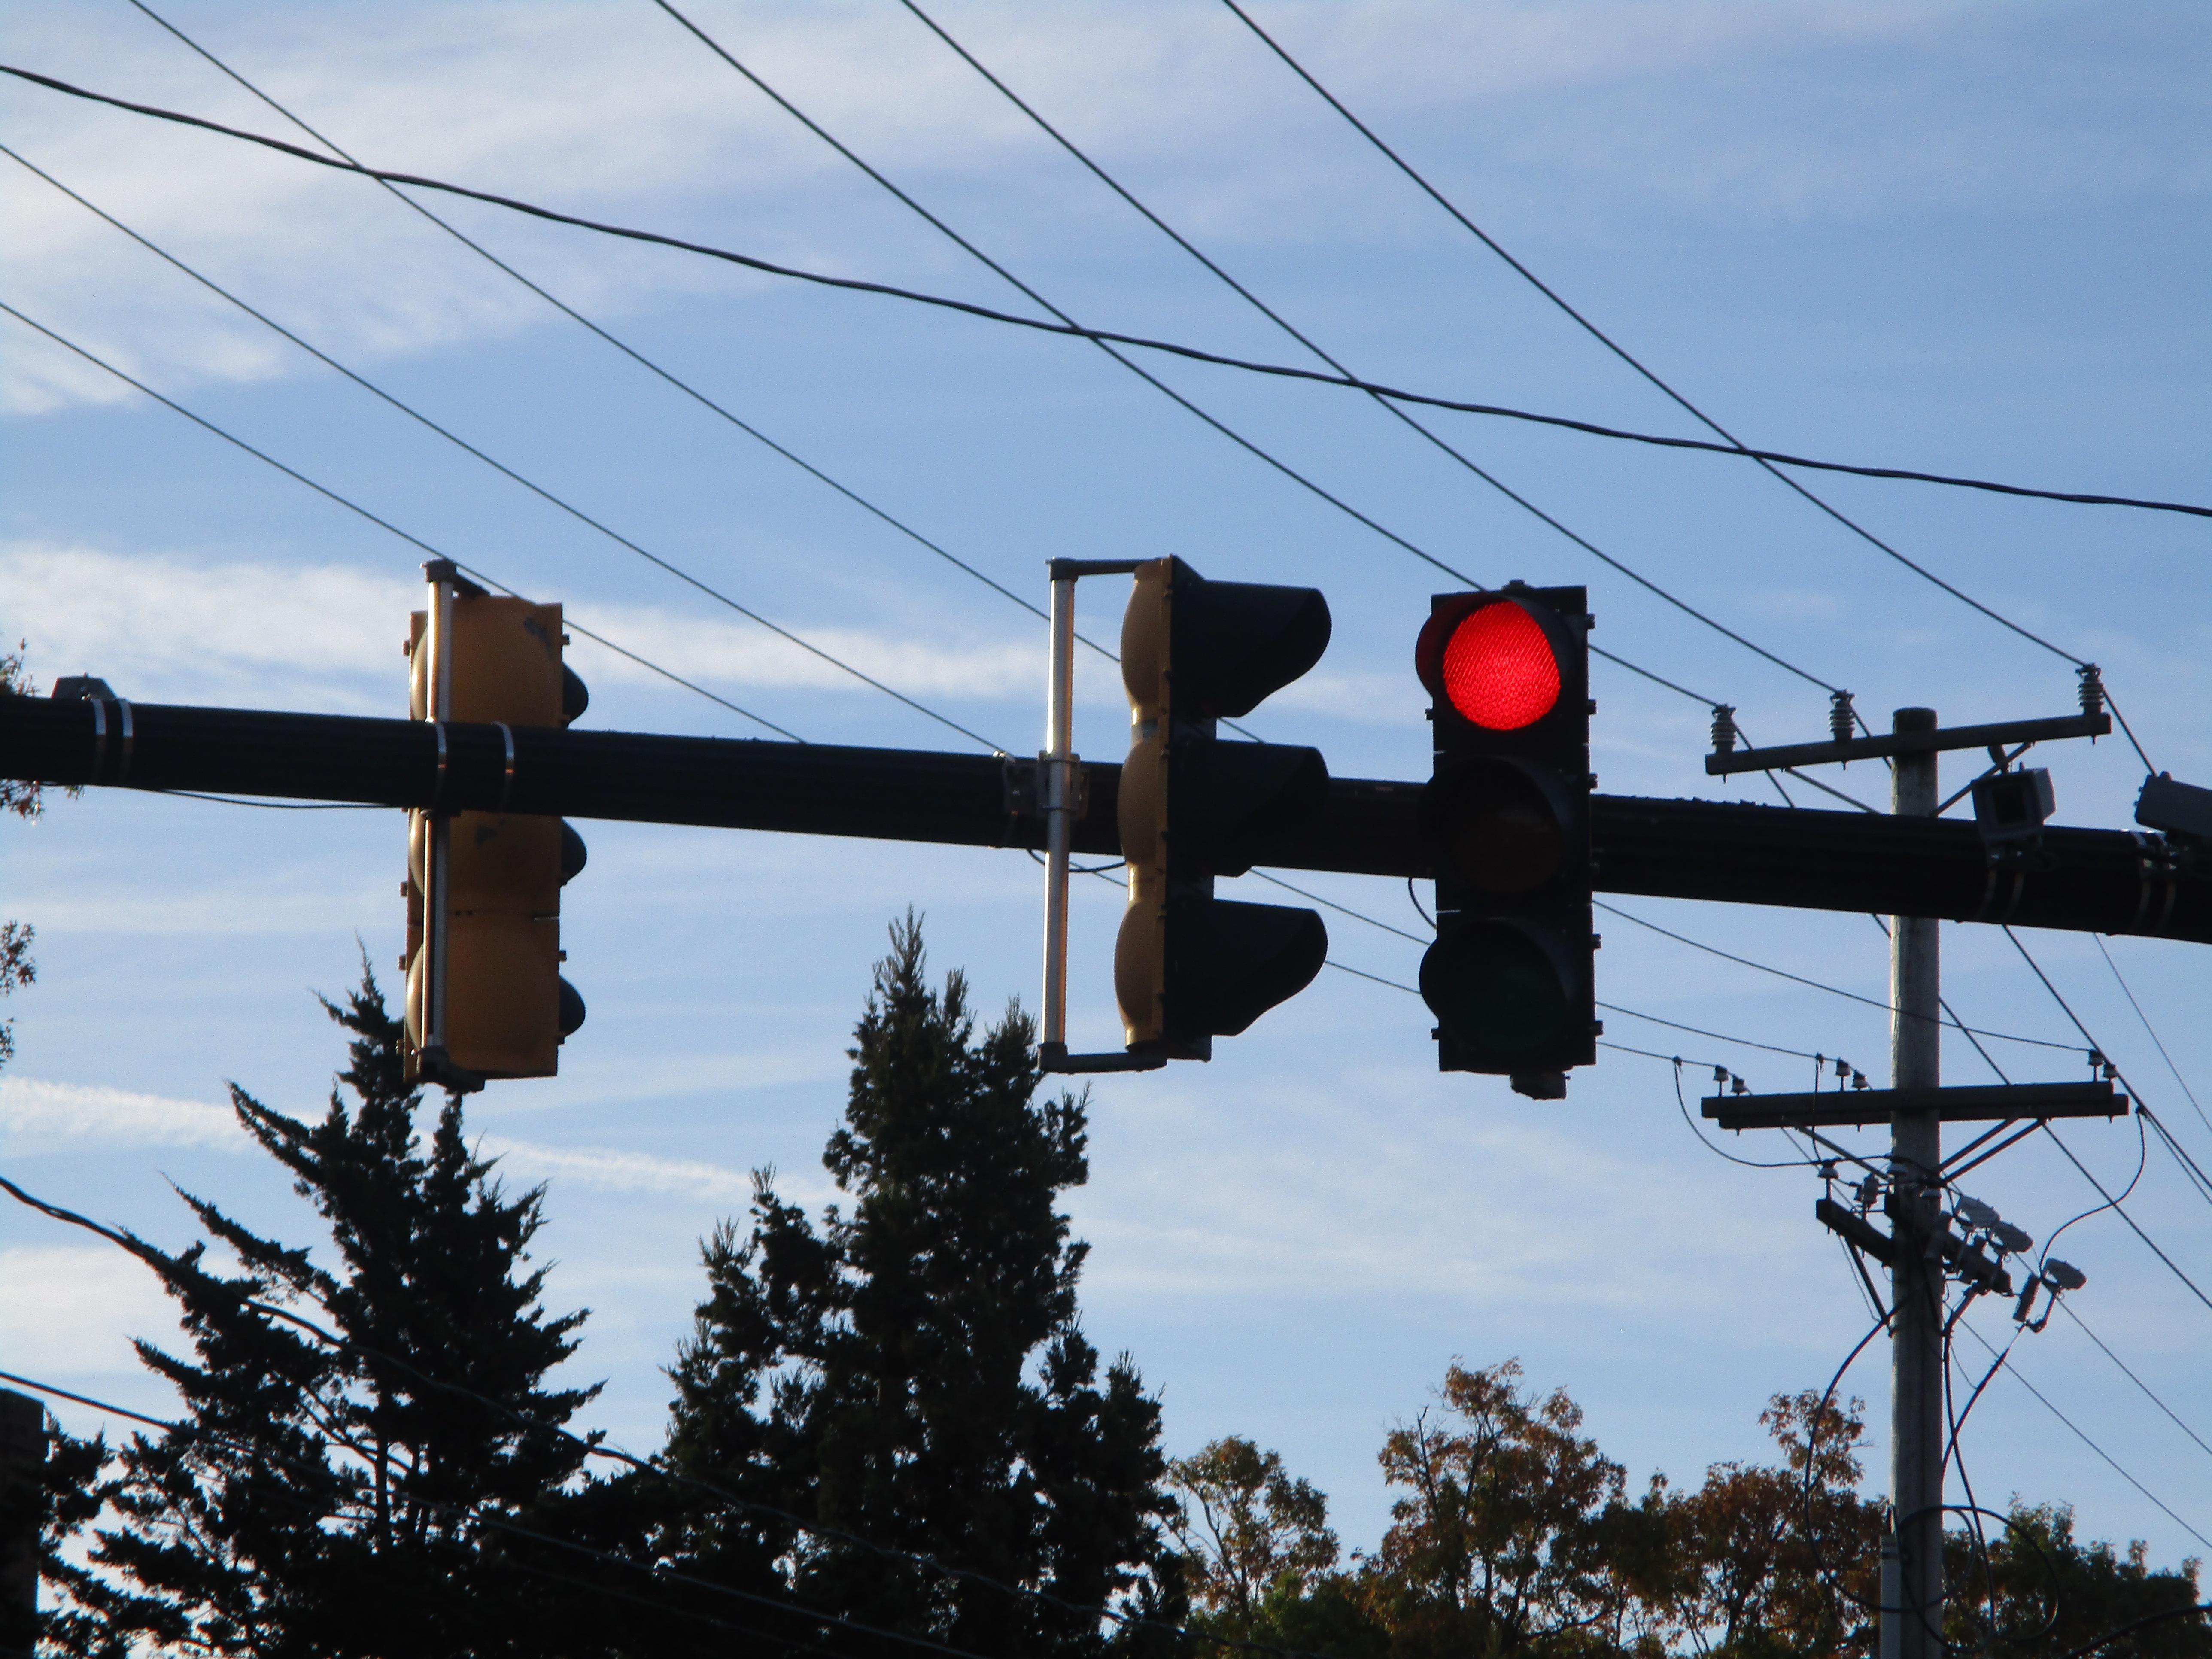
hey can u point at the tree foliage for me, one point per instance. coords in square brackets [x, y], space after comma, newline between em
[24, 799]
[1247, 1531]
[912, 1372]
[1514, 1540]
[330, 1499]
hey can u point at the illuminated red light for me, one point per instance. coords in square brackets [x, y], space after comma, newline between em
[1499, 670]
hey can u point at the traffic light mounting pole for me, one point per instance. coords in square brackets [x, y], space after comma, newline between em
[1059, 782]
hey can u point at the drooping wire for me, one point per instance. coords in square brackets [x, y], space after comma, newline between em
[381, 523]
[2014, 1372]
[1107, 342]
[2188, 1093]
[1389, 406]
[620, 345]
[2133, 1625]
[2066, 1306]
[262, 1457]
[1815, 984]
[1070, 330]
[594, 1446]
[2143, 1116]
[1714, 1146]
[1707, 422]
[508, 472]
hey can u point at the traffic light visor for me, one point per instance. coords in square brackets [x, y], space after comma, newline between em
[1497, 665]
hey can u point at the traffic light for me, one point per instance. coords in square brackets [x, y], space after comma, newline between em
[485, 998]
[1188, 967]
[1506, 822]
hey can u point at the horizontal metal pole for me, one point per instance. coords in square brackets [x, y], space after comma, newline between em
[2101, 880]
[1982, 1103]
[1908, 743]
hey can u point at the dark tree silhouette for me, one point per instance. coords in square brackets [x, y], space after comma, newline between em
[912, 1372]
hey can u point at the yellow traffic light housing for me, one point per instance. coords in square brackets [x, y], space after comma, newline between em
[484, 997]
[1188, 967]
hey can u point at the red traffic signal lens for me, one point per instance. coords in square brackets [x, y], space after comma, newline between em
[1499, 669]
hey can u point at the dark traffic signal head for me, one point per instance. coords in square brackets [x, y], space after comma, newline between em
[1188, 967]
[1505, 821]
[485, 998]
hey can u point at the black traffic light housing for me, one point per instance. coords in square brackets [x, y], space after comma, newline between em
[1506, 822]
[1189, 967]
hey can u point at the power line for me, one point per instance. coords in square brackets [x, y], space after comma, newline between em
[2189, 1093]
[354, 506]
[2142, 1113]
[1815, 984]
[592, 1446]
[262, 1458]
[1711, 1145]
[501, 468]
[1717, 1037]
[1764, 460]
[1343, 374]
[1103, 337]
[2067, 1306]
[1611, 1007]
[620, 345]
[2013, 1371]
[1106, 342]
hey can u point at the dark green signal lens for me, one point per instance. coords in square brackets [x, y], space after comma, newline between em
[1495, 989]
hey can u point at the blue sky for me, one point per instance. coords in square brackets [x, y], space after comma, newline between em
[1962, 237]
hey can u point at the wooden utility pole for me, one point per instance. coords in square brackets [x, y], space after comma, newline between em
[1912, 1619]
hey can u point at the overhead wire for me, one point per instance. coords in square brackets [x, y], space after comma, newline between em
[1103, 339]
[1767, 463]
[2066, 1306]
[1344, 374]
[594, 1446]
[1815, 984]
[536, 489]
[2143, 1115]
[357, 508]
[263, 1458]
[1078, 332]
[2014, 1372]
[2188, 1093]
[622, 345]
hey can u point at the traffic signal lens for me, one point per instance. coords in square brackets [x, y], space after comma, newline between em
[1495, 990]
[1499, 670]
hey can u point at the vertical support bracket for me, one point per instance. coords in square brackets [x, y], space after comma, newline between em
[1059, 791]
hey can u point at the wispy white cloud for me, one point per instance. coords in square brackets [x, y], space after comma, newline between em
[166, 629]
[71, 1310]
[35, 1113]
[610, 111]
[614, 1170]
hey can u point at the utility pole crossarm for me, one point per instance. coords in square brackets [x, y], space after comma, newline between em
[1886, 743]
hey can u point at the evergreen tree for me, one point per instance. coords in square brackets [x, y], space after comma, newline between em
[320, 1499]
[913, 1373]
